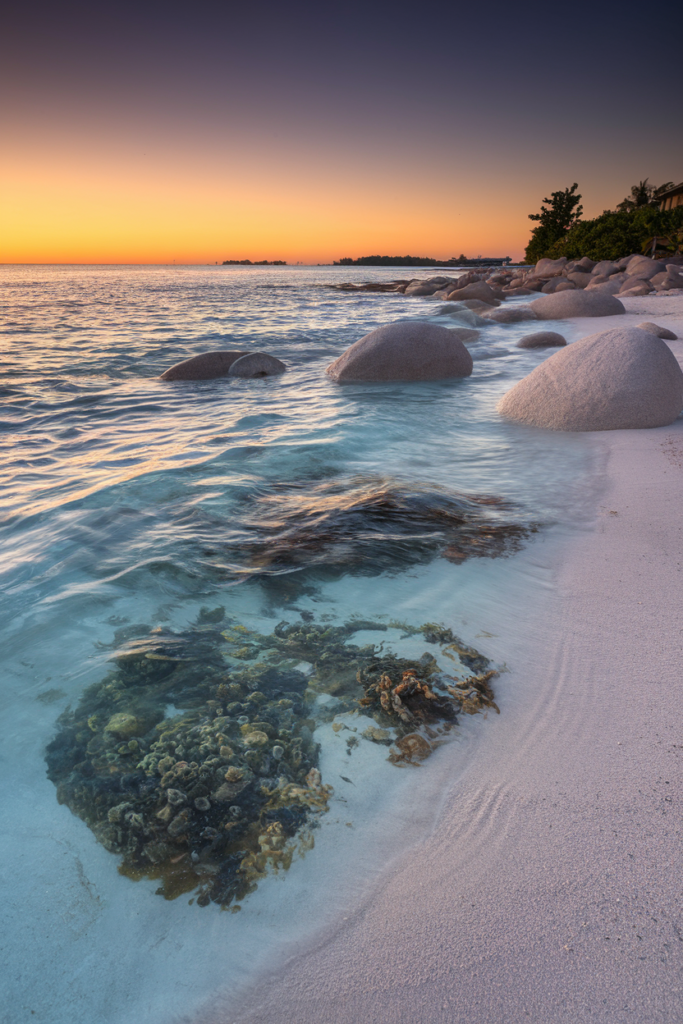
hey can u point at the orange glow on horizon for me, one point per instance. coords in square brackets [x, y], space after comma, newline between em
[86, 195]
[100, 208]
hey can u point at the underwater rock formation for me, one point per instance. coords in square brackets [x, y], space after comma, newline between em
[366, 527]
[194, 760]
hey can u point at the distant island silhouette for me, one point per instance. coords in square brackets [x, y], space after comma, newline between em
[254, 263]
[422, 261]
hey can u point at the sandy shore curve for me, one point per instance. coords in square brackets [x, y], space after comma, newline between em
[549, 890]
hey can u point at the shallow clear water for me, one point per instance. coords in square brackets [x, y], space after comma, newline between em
[119, 496]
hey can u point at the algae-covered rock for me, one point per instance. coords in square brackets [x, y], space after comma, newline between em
[122, 724]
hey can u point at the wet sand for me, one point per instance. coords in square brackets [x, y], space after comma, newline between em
[549, 889]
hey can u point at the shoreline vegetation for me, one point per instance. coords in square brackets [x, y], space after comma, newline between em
[638, 224]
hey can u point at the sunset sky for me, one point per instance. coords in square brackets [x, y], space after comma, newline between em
[307, 132]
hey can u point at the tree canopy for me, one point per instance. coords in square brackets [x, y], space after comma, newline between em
[636, 221]
[558, 214]
[617, 233]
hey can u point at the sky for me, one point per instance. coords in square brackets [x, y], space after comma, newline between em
[194, 133]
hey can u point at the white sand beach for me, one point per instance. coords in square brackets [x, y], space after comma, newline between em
[549, 888]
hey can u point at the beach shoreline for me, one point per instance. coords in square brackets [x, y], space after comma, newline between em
[548, 889]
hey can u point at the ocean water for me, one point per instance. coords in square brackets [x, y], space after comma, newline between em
[126, 500]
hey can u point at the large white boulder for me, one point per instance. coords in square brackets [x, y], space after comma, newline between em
[405, 351]
[619, 379]
[584, 302]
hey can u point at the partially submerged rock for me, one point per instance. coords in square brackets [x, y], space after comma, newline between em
[564, 305]
[542, 339]
[203, 367]
[624, 378]
[403, 351]
[510, 314]
[256, 364]
[479, 306]
[365, 526]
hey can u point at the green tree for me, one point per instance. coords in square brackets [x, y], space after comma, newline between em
[558, 215]
[643, 194]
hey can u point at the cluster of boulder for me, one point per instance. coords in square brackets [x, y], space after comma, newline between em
[619, 378]
[616, 379]
[632, 275]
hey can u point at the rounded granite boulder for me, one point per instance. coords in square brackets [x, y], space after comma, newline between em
[256, 364]
[637, 288]
[620, 379]
[557, 284]
[580, 302]
[542, 339]
[659, 332]
[404, 351]
[579, 278]
[644, 268]
[475, 290]
[547, 267]
[605, 267]
[203, 367]
[607, 285]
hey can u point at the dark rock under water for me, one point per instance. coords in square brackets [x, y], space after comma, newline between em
[365, 526]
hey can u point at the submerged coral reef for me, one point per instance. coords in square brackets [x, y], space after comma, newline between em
[194, 758]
